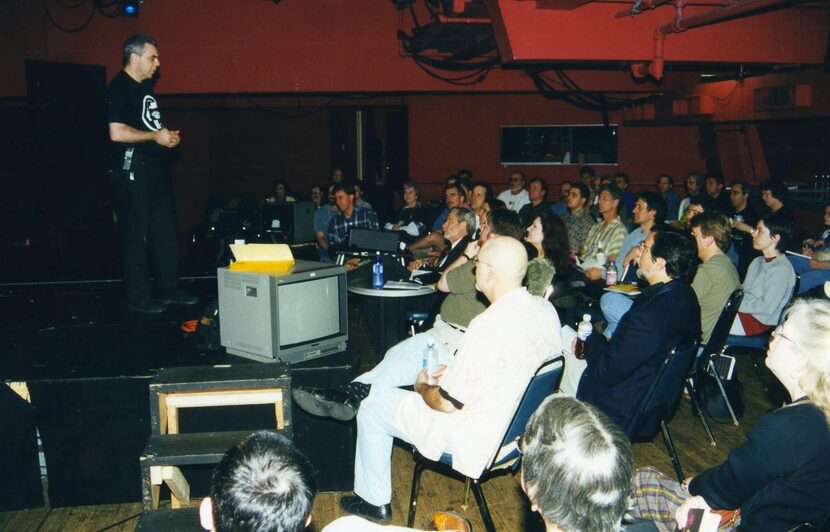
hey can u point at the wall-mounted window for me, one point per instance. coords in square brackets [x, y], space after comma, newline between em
[579, 144]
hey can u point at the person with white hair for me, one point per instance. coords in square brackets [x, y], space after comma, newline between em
[780, 477]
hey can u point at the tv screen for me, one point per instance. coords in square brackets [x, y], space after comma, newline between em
[308, 310]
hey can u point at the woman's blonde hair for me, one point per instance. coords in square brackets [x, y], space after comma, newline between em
[809, 329]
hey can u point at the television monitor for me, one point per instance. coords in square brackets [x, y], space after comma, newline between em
[284, 317]
[288, 222]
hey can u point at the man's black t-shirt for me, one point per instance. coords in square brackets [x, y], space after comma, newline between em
[132, 103]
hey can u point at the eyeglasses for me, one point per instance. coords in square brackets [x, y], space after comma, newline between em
[642, 247]
[777, 333]
[476, 262]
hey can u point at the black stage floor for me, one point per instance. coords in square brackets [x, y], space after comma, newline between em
[88, 362]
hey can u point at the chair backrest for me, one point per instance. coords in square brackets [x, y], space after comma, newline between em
[720, 332]
[663, 395]
[544, 383]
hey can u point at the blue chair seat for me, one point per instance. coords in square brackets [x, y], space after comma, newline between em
[755, 342]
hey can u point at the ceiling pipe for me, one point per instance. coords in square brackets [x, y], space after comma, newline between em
[680, 24]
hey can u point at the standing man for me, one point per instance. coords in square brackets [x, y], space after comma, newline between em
[516, 196]
[143, 192]
[537, 192]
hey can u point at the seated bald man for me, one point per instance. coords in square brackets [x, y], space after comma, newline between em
[468, 409]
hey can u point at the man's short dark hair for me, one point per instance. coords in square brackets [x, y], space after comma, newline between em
[704, 201]
[135, 45]
[654, 202]
[776, 188]
[262, 483]
[717, 177]
[346, 187]
[522, 174]
[746, 188]
[615, 193]
[583, 189]
[458, 188]
[586, 170]
[464, 172]
[696, 176]
[714, 224]
[506, 222]
[678, 250]
[541, 182]
[623, 176]
[781, 225]
[667, 176]
[577, 465]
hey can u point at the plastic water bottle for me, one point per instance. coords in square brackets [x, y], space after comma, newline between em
[377, 272]
[611, 273]
[430, 361]
[600, 256]
[583, 331]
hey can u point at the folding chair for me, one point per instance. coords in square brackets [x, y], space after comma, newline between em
[661, 400]
[508, 458]
[714, 347]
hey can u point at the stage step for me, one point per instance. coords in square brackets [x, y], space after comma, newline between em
[166, 520]
[174, 389]
[164, 454]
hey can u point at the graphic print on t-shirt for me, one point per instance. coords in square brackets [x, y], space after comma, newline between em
[150, 113]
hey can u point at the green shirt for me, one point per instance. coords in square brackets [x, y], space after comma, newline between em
[714, 282]
[540, 272]
[464, 302]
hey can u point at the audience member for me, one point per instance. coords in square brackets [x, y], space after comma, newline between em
[280, 193]
[322, 217]
[694, 182]
[410, 220]
[516, 196]
[744, 219]
[336, 176]
[579, 221]
[481, 200]
[359, 198]
[716, 277]
[715, 190]
[648, 213]
[576, 467]
[454, 196]
[769, 279]
[548, 236]
[616, 373]
[560, 208]
[621, 181]
[315, 195]
[780, 477]
[457, 230]
[814, 270]
[774, 196]
[607, 235]
[586, 176]
[350, 216]
[665, 184]
[537, 191]
[261, 484]
[461, 414]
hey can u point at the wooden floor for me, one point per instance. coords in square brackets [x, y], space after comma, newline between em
[507, 503]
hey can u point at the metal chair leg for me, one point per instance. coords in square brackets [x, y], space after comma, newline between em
[413, 495]
[672, 453]
[714, 373]
[482, 506]
[691, 390]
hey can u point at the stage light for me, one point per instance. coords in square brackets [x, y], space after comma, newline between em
[129, 8]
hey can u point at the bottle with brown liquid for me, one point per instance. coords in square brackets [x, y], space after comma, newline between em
[583, 331]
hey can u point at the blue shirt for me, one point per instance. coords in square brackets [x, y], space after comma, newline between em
[560, 209]
[322, 217]
[630, 242]
[438, 225]
[340, 226]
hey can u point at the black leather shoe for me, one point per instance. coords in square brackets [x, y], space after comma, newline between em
[326, 402]
[178, 298]
[355, 505]
[146, 306]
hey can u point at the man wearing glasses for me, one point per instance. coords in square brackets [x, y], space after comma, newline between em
[516, 196]
[617, 372]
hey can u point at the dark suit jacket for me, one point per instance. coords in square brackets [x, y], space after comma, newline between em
[619, 371]
[452, 256]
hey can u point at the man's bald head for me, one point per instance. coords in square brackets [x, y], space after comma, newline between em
[502, 266]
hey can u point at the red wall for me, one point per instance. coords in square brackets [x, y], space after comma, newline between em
[452, 132]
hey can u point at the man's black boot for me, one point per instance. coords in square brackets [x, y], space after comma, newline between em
[340, 403]
[355, 505]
